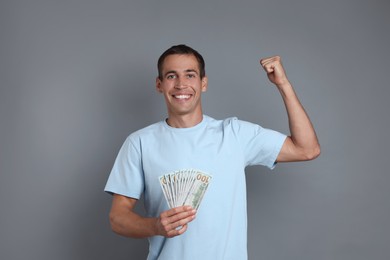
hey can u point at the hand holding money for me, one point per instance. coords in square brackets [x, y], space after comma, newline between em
[173, 222]
[183, 191]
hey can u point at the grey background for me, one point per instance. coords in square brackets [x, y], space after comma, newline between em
[76, 77]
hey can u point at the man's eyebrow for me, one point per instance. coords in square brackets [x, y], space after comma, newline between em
[192, 70]
[175, 72]
[170, 72]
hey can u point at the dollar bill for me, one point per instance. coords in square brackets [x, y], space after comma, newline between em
[185, 187]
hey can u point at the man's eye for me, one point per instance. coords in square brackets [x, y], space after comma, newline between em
[171, 76]
[190, 76]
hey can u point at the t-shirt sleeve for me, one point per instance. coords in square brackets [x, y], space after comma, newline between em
[126, 177]
[260, 146]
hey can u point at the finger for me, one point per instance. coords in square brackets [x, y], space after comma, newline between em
[278, 70]
[271, 58]
[177, 232]
[182, 229]
[265, 60]
[179, 224]
[177, 221]
[269, 68]
[274, 67]
[174, 211]
[165, 220]
[177, 228]
[268, 60]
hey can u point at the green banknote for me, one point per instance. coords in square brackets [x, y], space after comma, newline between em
[185, 187]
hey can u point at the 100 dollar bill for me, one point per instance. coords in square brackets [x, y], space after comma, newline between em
[185, 187]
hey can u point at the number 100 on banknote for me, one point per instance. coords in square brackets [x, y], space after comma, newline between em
[185, 187]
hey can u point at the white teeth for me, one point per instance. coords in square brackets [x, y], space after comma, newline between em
[182, 96]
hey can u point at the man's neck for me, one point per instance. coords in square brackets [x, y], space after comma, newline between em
[184, 121]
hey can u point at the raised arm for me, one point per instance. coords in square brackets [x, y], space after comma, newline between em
[302, 144]
[124, 221]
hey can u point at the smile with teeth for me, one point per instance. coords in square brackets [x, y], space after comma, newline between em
[182, 96]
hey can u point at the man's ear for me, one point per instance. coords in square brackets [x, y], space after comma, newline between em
[204, 84]
[158, 85]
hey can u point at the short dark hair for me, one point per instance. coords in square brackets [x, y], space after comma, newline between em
[181, 49]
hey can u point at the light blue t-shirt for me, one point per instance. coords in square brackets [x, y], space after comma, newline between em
[221, 148]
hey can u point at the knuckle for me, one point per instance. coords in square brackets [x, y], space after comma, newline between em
[166, 228]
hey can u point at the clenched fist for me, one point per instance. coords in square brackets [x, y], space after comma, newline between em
[275, 71]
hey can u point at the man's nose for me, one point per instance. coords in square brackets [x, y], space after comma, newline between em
[180, 83]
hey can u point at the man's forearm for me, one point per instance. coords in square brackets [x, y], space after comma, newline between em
[302, 131]
[130, 224]
[303, 143]
[126, 222]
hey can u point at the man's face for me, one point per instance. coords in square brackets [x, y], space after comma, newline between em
[181, 85]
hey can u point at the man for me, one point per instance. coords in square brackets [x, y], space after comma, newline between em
[190, 139]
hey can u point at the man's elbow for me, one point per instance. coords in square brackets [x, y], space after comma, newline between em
[313, 153]
[114, 225]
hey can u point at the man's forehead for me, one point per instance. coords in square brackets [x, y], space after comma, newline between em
[180, 62]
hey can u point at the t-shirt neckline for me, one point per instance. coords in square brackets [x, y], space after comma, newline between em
[186, 129]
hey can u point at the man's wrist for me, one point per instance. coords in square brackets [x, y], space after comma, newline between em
[285, 87]
[154, 226]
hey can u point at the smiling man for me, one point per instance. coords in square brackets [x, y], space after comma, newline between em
[181, 82]
[188, 139]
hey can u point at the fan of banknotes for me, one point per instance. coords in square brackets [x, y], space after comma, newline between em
[185, 187]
